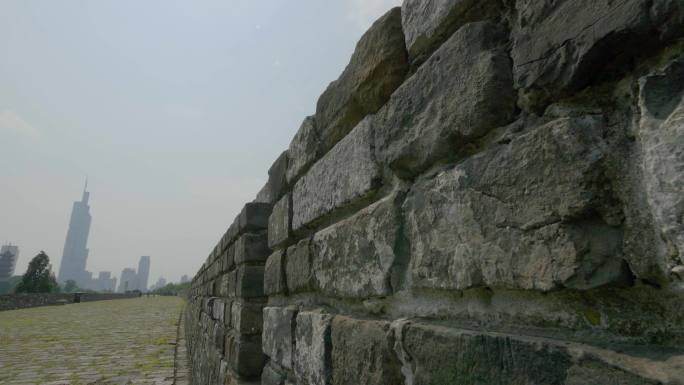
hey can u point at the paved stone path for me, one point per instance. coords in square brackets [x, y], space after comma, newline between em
[128, 341]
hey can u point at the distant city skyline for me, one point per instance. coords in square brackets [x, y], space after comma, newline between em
[175, 126]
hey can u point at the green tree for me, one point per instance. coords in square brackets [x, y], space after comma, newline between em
[70, 286]
[38, 277]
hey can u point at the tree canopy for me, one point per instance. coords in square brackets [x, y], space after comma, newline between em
[38, 277]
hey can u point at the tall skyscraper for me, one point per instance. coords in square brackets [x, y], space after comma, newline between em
[128, 281]
[75, 253]
[8, 261]
[143, 272]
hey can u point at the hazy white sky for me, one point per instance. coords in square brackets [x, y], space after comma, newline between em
[174, 109]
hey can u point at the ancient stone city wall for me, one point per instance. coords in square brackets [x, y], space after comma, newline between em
[26, 300]
[492, 192]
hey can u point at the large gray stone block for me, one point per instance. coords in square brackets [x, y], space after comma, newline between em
[440, 355]
[345, 174]
[661, 140]
[254, 217]
[458, 95]
[246, 317]
[243, 354]
[298, 268]
[278, 335]
[272, 376]
[521, 215]
[274, 274]
[362, 354]
[560, 46]
[252, 247]
[305, 149]
[312, 348]
[376, 69]
[428, 23]
[250, 281]
[354, 257]
[280, 222]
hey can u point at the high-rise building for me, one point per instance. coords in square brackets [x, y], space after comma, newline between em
[185, 279]
[75, 253]
[104, 282]
[143, 272]
[128, 281]
[8, 261]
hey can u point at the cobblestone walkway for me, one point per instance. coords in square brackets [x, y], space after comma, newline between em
[128, 341]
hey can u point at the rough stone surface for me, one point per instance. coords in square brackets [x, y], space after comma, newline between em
[250, 281]
[427, 24]
[354, 258]
[276, 177]
[312, 348]
[305, 148]
[483, 223]
[280, 222]
[244, 355]
[298, 268]
[560, 47]
[511, 213]
[362, 353]
[661, 134]
[376, 69]
[271, 376]
[451, 356]
[462, 92]
[254, 216]
[274, 274]
[251, 247]
[329, 185]
[278, 335]
[246, 317]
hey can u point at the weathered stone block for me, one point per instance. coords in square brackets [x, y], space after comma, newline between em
[229, 262]
[250, 281]
[522, 215]
[272, 376]
[429, 23]
[280, 222]
[247, 317]
[312, 348]
[345, 174]
[298, 268]
[232, 283]
[224, 284]
[278, 335]
[252, 247]
[217, 309]
[305, 148]
[277, 182]
[362, 354]
[661, 140]
[377, 67]
[244, 355]
[462, 92]
[355, 257]
[234, 229]
[560, 47]
[274, 274]
[254, 216]
[218, 336]
[441, 355]
[227, 313]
